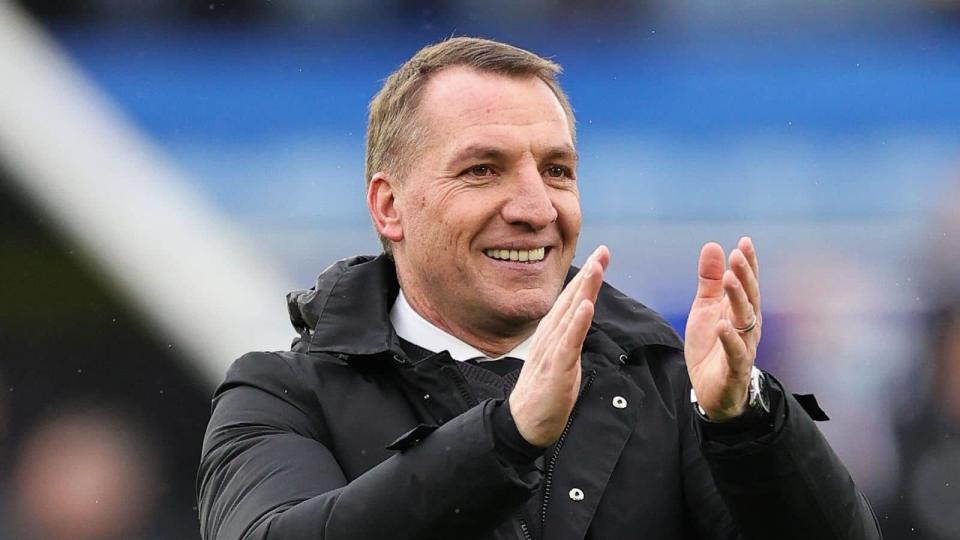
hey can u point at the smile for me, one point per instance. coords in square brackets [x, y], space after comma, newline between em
[520, 255]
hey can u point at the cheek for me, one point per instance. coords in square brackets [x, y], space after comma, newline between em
[568, 214]
[445, 221]
[440, 230]
[456, 233]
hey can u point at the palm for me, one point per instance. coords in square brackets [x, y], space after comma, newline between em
[706, 358]
[719, 359]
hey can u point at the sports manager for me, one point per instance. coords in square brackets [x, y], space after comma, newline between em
[468, 383]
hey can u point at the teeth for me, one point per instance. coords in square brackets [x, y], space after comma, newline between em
[519, 255]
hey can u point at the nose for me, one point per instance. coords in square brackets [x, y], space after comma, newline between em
[529, 204]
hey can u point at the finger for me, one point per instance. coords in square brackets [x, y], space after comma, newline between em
[602, 254]
[593, 273]
[750, 251]
[738, 359]
[743, 312]
[710, 272]
[569, 298]
[576, 331]
[588, 290]
[744, 272]
[590, 287]
[563, 302]
[570, 291]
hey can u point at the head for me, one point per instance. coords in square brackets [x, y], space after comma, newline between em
[471, 156]
[84, 474]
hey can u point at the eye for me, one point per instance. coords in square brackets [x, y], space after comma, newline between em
[480, 170]
[558, 171]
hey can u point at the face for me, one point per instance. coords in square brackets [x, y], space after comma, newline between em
[490, 211]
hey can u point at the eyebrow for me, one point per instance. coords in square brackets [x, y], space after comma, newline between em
[563, 153]
[474, 151]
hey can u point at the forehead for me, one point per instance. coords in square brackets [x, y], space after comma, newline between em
[460, 102]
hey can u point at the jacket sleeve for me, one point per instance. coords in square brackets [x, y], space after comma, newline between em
[707, 514]
[265, 474]
[786, 483]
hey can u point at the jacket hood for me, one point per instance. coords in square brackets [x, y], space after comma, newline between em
[347, 312]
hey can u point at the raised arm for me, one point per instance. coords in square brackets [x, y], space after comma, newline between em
[776, 473]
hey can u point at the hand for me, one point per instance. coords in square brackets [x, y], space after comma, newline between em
[549, 382]
[719, 358]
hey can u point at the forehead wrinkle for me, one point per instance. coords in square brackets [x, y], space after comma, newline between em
[497, 114]
[500, 108]
[496, 141]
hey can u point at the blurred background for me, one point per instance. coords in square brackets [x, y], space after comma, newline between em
[169, 169]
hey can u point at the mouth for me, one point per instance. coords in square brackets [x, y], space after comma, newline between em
[528, 256]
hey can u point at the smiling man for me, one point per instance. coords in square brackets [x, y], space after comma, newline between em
[469, 383]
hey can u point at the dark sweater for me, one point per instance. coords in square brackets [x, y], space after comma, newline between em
[495, 379]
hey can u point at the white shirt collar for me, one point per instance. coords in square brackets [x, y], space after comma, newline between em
[411, 326]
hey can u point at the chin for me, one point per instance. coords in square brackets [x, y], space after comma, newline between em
[524, 307]
[525, 314]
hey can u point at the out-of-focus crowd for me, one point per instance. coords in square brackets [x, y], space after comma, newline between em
[100, 425]
[926, 423]
[81, 474]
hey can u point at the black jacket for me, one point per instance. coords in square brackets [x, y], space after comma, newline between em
[297, 445]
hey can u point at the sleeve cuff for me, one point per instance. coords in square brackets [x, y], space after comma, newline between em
[752, 425]
[508, 440]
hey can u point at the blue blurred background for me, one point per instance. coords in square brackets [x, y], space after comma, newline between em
[829, 131]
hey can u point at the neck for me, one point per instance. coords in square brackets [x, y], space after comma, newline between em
[491, 341]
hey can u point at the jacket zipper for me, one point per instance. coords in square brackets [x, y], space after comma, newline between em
[555, 455]
[468, 396]
[525, 529]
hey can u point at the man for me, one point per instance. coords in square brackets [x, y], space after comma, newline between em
[454, 387]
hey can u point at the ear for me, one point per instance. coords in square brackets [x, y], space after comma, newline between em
[382, 204]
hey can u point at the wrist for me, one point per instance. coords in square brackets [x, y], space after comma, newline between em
[520, 417]
[754, 401]
[726, 415]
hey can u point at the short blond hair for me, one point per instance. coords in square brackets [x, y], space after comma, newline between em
[392, 128]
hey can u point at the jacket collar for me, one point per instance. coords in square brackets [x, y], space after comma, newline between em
[348, 312]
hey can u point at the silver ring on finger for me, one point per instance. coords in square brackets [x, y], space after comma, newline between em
[746, 329]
